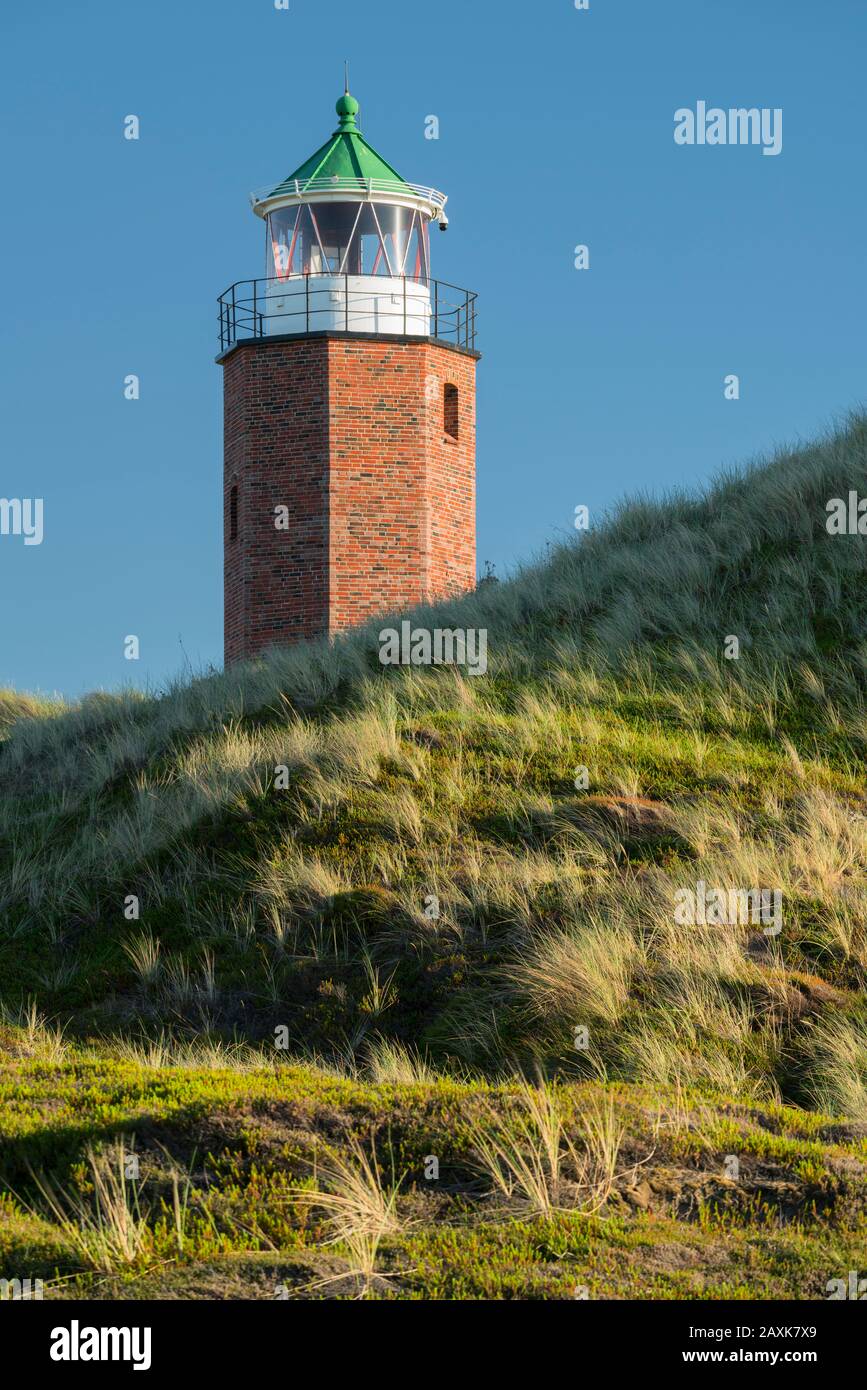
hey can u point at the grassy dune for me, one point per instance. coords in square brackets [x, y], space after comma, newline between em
[287, 933]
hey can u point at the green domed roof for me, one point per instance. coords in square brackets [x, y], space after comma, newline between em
[346, 155]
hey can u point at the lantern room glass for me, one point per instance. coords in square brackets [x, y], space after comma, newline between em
[347, 239]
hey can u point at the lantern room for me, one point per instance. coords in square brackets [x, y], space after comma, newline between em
[347, 244]
[347, 239]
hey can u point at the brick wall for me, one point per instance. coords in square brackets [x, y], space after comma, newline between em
[349, 434]
[276, 454]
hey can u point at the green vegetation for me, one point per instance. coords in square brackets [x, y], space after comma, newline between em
[255, 1178]
[287, 932]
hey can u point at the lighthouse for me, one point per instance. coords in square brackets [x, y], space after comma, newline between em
[349, 406]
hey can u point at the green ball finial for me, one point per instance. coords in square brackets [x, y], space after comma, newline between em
[347, 110]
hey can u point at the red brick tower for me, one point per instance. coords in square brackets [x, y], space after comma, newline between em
[349, 394]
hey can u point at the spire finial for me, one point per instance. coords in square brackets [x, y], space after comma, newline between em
[345, 76]
[347, 107]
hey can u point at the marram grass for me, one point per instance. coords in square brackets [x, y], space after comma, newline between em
[316, 886]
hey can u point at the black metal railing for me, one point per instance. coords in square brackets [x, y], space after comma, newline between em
[299, 304]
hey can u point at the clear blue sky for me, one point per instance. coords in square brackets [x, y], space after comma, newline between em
[556, 128]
